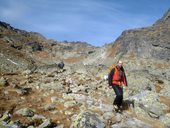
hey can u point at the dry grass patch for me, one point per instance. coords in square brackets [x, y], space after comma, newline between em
[165, 100]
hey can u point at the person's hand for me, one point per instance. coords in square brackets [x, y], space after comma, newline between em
[127, 90]
[110, 87]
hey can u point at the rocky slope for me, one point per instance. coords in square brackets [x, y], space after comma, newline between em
[77, 95]
[142, 43]
[150, 42]
[38, 49]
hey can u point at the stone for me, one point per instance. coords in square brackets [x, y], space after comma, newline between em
[165, 119]
[108, 115]
[25, 112]
[60, 126]
[68, 113]
[46, 123]
[31, 127]
[27, 72]
[49, 107]
[2, 125]
[106, 107]
[88, 120]
[3, 82]
[69, 104]
[132, 123]
[6, 116]
[155, 111]
[21, 91]
[61, 65]
[54, 99]
[68, 97]
[38, 117]
[15, 126]
[118, 118]
[80, 98]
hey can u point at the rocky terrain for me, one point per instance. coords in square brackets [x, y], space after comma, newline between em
[18, 47]
[36, 92]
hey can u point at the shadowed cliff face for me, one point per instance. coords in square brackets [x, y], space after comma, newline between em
[149, 42]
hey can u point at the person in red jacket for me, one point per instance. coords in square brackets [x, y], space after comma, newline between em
[117, 79]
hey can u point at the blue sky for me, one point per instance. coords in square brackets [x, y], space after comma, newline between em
[94, 21]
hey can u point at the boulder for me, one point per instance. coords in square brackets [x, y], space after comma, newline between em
[165, 119]
[6, 117]
[49, 107]
[132, 123]
[25, 112]
[156, 110]
[54, 99]
[69, 104]
[3, 82]
[88, 120]
[46, 124]
[61, 65]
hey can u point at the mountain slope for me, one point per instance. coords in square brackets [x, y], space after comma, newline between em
[150, 42]
[37, 49]
[13, 60]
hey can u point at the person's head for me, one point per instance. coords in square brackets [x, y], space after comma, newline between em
[120, 63]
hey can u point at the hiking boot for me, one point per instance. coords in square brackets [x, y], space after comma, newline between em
[115, 107]
[119, 111]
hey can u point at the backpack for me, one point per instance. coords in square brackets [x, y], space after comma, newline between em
[110, 74]
[111, 67]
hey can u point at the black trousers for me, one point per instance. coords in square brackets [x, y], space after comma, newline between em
[119, 95]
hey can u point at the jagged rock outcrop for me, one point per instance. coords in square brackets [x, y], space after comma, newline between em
[165, 18]
[149, 42]
[88, 120]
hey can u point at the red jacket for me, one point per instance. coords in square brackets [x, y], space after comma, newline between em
[117, 77]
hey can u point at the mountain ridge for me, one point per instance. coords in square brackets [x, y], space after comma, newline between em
[146, 42]
[42, 51]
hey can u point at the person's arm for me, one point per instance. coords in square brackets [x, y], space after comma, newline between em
[124, 77]
[125, 80]
[110, 76]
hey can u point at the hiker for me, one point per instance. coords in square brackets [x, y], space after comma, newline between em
[117, 79]
[61, 65]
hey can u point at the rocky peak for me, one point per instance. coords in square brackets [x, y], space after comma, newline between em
[165, 18]
[5, 25]
[151, 42]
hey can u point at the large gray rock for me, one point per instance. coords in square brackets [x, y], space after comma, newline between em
[165, 119]
[25, 112]
[49, 107]
[69, 104]
[88, 120]
[144, 43]
[132, 123]
[108, 115]
[156, 110]
[46, 123]
[6, 117]
[147, 103]
[3, 126]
